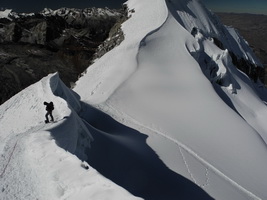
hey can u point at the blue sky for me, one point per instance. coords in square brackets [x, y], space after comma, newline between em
[243, 6]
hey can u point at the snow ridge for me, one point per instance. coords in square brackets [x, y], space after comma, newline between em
[32, 164]
[186, 118]
[184, 83]
[103, 85]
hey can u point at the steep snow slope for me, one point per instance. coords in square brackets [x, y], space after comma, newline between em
[189, 124]
[115, 66]
[202, 116]
[45, 161]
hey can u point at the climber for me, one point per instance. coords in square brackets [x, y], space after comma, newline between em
[49, 108]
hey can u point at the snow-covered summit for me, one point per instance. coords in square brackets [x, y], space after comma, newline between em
[64, 12]
[173, 78]
[5, 13]
[166, 113]
[87, 12]
[81, 16]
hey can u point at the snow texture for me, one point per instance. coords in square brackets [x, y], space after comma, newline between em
[5, 13]
[47, 161]
[164, 115]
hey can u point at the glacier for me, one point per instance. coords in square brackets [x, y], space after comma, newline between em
[164, 115]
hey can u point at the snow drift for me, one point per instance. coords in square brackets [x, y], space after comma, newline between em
[165, 115]
[32, 164]
[170, 81]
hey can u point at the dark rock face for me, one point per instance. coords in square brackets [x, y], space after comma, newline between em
[254, 29]
[254, 72]
[64, 41]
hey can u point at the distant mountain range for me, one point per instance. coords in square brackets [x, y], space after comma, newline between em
[64, 40]
[175, 111]
[67, 40]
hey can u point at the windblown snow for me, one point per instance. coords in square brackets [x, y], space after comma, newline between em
[164, 115]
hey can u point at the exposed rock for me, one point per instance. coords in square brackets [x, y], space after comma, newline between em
[115, 36]
[254, 29]
[64, 40]
[254, 72]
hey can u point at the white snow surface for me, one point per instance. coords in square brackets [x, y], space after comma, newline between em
[46, 161]
[5, 13]
[165, 115]
[162, 92]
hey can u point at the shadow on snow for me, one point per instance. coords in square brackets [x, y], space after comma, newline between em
[122, 155]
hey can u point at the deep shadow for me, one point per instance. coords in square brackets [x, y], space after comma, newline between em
[122, 155]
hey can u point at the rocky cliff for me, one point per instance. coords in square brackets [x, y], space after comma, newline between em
[65, 40]
[253, 28]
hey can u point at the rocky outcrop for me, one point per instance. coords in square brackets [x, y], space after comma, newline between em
[64, 40]
[253, 71]
[115, 36]
[253, 28]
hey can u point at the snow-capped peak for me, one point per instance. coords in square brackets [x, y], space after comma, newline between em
[178, 82]
[167, 115]
[87, 12]
[5, 13]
